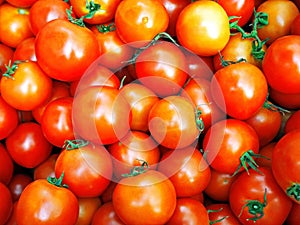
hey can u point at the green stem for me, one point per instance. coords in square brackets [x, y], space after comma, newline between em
[216, 221]
[57, 182]
[199, 121]
[75, 144]
[11, 69]
[225, 63]
[294, 191]
[137, 169]
[102, 28]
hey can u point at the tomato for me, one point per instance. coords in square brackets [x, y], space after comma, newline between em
[42, 202]
[239, 89]
[93, 110]
[21, 3]
[154, 193]
[285, 164]
[219, 185]
[240, 8]
[141, 100]
[70, 49]
[294, 215]
[87, 168]
[281, 14]
[222, 212]
[189, 211]
[25, 50]
[9, 119]
[106, 215]
[105, 13]
[107, 194]
[6, 166]
[142, 22]
[162, 68]
[172, 122]
[288, 101]
[6, 54]
[6, 205]
[46, 168]
[27, 145]
[293, 122]
[17, 184]
[228, 143]
[56, 121]
[281, 59]
[14, 25]
[295, 26]
[266, 153]
[87, 209]
[257, 198]
[187, 170]
[135, 147]
[12, 219]
[203, 28]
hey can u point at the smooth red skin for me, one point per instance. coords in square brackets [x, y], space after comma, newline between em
[6, 54]
[13, 216]
[294, 215]
[285, 160]
[143, 188]
[295, 26]
[162, 68]
[219, 186]
[287, 101]
[42, 12]
[222, 210]
[280, 59]
[93, 109]
[106, 215]
[252, 187]
[293, 122]
[266, 120]
[17, 184]
[46, 168]
[87, 170]
[6, 205]
[130, 150]
[187, 170]
[226, 141]
[9, 119]
[22, 3]
[108, 192]
[27, 145]
[189, 211]
[6, 166]
[14, 26]
[69, 51]
[44, 203]
[266, 151]
[87, 210]
[25, 50]
[239, 89]
[57, 121]
[239, 8]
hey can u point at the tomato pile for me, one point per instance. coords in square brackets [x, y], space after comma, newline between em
[149, 112]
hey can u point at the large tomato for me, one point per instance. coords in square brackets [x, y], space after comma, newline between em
[203, 28]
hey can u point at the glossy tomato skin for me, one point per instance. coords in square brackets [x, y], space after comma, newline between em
[253, 187]
[46, 168]
[295, 28]
[195, 24]
[143, 188]
[142, 22]
[293, 122]
[87, 209]
[57, 204]
[222, 210]
[287, 101]
[22, 3]
[28, 87]
[281, 59]
[25, 50]
[6, 165]
[69, 51]
[17, 184]
[266, 151]
[239, 89]
[294, 215]
[106, 215]
[6, 205]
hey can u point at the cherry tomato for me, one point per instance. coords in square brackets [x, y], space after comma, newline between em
[6, 54]
[25, 50]
[222, 212]
[46, 168]
[6, 205]
[108, 192]
[21, 3]
[6, 166]
[87, 209]
[17, 185]
[288, 101]
[106, 215]
[266, 153]
[293, 122]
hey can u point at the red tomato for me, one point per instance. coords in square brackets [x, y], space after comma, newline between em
[27, 145]
[14, 25]
[87, 209]
[187, 170]
[239, 89]
[288, 101]
[222, 212]
[43, 202]
[13, 217]
[203, 28]
[266, 153]
[6, 204]
[293, 122]
[6, 54]
[70, 49]
[172, 122]
[21, 3]
[87, 168]
[26, 86]
[285, 164]
[17, 184]
[108, 192]
[6, 166]
[25, 50]
[295, 26]
[154, 193]
[257, 198]
[46, 168]
[106, 215]
[294, 215]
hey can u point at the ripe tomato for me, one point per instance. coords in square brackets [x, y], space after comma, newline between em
[27, 145]
[70, 49]
[26, 86]
[172, 122]
[87, 168]
[17, 184]
[6, 54]
[6, 166]
[294, 215]
[222, 212]
[12, 219]
[295, 26]
[239, 89]
[14, 25]
[46, 168]
[187, 170]
[266, 151]
[87, 209]
[21, 3]
[288, 101]
[293, 122]
[257, 198]
[285, 164]
[106, 215]
[25, 50]
[43, 202]
[280, 60]
[154, 193]
[6, 204]
[203, 28]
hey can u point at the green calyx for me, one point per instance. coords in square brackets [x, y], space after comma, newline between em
[57, 181]
[136, 170]
[102, 28]
[294, 191]
[225, 63]
[11, 69]
[216, 221]
[75, 144]
[199, 121]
